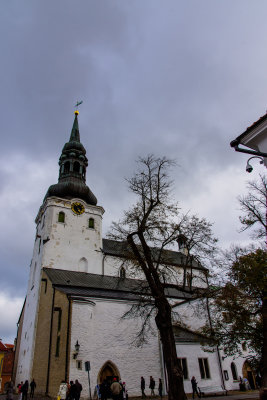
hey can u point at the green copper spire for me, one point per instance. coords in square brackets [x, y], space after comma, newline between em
[75, 134]
[72, 170]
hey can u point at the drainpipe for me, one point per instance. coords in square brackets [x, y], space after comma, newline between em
[67, 343]
[50, 343]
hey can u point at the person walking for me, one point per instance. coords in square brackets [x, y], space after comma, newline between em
[20, 390]
[160, 388]
[104, 390]
[115, 389]
[152, 386]
[143, 386]
[63, 390]
[24, 389]
[79, 388]
[194, 386]
[32, 386]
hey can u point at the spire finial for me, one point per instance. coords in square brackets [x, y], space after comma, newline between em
[76, 112]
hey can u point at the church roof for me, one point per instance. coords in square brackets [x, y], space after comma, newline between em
[184, 335]
[85, 284]
[120, 249]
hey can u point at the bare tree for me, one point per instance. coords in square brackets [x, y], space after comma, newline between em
[254, 206]
[150, 227]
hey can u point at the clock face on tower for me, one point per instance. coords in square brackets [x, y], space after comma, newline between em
[78, 208]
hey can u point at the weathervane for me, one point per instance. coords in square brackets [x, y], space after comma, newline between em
[77, 105]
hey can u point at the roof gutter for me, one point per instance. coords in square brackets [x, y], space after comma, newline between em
[235, 144]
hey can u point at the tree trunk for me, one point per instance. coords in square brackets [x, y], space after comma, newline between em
[264, 350]
[175, 375]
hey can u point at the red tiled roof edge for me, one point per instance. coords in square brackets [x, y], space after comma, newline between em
[236, 141]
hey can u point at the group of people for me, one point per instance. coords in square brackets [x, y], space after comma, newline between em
[22, 388]
[69, 391]
[117, 390]
[152, 385]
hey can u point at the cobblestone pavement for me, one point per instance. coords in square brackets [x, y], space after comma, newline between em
[249, 395]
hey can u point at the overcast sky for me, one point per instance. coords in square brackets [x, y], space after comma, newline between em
[175, 78]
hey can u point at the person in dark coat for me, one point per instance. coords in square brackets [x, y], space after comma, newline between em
[32, 386]
[152, 386]
[194, 386]
[160, 388]
[24, 390]
[9, 390]
[143, 386]
[104, 390]
[73, 391]
[79, 388]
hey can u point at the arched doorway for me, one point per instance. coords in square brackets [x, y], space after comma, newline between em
[249, 374]
[108, 372]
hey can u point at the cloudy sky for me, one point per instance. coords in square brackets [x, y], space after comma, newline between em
[177, 78]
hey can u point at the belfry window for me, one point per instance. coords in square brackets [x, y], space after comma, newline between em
[76, 167]
[61, 217]
[67, 167]
[91, 223]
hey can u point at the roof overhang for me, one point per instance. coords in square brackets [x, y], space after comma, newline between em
[254, 139]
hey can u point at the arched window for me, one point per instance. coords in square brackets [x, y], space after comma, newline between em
[122, 273]
[67, 167]
[91, 223]
[76, 167]
[61, 216]
[83, 265]
[234, 372]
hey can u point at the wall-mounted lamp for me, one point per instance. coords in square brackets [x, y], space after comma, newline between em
[77, 348]
[249, 167]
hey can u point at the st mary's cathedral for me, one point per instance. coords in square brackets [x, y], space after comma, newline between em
[78, 290]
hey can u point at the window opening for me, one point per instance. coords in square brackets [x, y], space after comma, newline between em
[204, 368]
[91, 223]
[234, 373]
[183, 365]
[67, 167]
[61, 217]
[76, 167]
[57, 346]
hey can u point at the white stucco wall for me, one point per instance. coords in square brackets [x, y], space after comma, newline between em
[103, 336]
[73, 245]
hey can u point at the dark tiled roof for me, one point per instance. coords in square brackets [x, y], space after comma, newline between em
[121, 249]
[84, 284]
[183, 335]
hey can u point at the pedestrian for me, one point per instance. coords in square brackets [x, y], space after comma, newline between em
[79, 388]
[194, 386]
[32, 386]
[104, 390]
[124, 391]
[160, 388]
[20, 390]
[115, 389]
[152, 386]
[24, 389]
[72, 391]
[63, 390]
[143, 386]
[10, 390]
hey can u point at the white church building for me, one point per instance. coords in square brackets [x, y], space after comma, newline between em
[78, 290]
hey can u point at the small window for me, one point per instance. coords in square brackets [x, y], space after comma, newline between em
[79, 364]
[204, 368]
[234, 373]
[244, 346]
[183, 365]
[122, 273]
[91, 223]
[226, 376]
[57, 346]
[61, 217]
